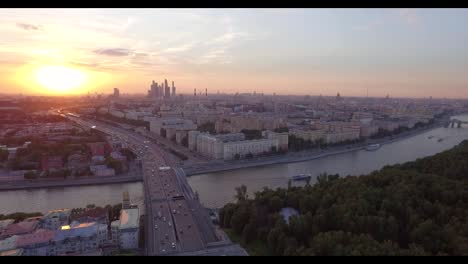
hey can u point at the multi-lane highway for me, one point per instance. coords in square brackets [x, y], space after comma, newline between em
[176, 223]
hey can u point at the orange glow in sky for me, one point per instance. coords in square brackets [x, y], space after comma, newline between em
[60, 79]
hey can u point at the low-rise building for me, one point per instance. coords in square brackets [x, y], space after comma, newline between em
[51, 163]
[37, 243]
[126, 230]
[78, 239]
[77, 162]
[101, 170]
[53, 220]
[24, 227]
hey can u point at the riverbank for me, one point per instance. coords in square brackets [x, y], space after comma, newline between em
[293, 157]
[40, 184]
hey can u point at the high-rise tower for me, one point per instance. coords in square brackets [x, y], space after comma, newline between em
[116, 92]
[167, 90]
[173, 89]
[154, 89]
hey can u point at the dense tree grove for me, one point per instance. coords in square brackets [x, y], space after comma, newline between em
[18, 217]
[251, 134]
[415, 208]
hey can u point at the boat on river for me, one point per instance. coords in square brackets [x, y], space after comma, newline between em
[372, 147]
[301, 177]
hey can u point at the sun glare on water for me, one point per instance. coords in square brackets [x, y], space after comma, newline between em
[60, 79]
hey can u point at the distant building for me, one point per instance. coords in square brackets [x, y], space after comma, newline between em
[77, 162]
[167, 127]
[237, 123]
[101, 170]
[116, 93]
[49, 163]
[167, 89]
[173, 89]
[99, 148]
[118, 156]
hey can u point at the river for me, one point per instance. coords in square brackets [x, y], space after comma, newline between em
[43, 200]
[217, 189]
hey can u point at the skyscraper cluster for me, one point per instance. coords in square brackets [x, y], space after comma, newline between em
[161, 91]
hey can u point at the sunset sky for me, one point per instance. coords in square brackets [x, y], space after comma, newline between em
[401, 52]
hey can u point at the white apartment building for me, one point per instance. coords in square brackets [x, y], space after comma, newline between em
[227, 146]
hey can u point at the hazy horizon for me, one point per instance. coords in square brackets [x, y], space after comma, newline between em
[406, 53]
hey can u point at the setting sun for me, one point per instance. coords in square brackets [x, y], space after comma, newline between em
[59, 78]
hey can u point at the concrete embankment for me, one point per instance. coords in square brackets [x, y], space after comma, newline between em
[41, 184]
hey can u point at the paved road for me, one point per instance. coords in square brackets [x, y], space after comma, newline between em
[176, 223]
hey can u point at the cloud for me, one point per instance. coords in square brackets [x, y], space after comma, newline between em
[229, 37]
[113, 52]
[29, 27]
[85, 64]
[180, 48]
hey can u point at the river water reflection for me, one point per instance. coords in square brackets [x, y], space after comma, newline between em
[217, 189]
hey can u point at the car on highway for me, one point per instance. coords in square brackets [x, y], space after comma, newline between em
[173, 245]
[155, 226]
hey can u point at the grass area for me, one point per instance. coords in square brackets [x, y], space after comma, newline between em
[254, 248]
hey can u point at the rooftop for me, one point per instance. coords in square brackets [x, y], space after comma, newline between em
[129, 218]
[20, 228]
[40, 236]
[8, 244]
[5, 223]
[13, 252]
[80, 230]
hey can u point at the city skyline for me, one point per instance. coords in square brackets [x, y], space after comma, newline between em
[401, 52]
